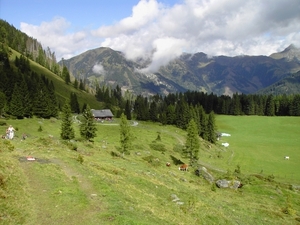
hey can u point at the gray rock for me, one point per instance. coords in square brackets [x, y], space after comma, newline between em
[223, 183]
[202, 171]
[174, 198]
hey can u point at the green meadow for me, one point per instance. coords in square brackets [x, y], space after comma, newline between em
[81, 182]
[259, 144]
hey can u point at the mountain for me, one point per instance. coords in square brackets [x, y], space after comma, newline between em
[290, 53]
[219, 74]
[288, 85]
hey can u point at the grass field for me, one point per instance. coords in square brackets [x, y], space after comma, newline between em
[93, 186]
[259, 144]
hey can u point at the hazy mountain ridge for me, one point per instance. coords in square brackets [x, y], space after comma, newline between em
[219, 74]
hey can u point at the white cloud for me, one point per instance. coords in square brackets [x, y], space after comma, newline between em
[227, 27]
[55, 35]
[99, 69]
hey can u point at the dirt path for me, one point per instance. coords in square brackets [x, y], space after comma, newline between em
[49, 208]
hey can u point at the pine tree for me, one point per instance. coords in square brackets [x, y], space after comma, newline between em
[66, 75]
[76, 84]
[153, 112]
[295, 105]
[42, 101]
[270, 106]
[203, 123]
[26, 100]
[3, 102]
[53, 106]
[128, 110]
[126, 137]
[81, 85]
[88, 126]
[192, 143]
[16, 107]
[211, 127]
[67, 130]
[170, 114]
[74, 103]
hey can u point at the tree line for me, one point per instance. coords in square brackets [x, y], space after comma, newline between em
[24, 93]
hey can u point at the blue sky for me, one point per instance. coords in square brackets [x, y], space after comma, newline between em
[89, 14]
[159, 29]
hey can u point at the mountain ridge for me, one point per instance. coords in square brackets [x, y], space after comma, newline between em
[218, 74]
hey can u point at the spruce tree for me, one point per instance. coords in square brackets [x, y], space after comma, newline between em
[128, 110]
[41, 101]
[3, 102]
[74, 103]
[270, 106]
[153, 112]
[16, 107]
[192, 143]
[67, 130]
[126, 137]
[66, 75]
[88, 126]
[53, 106]
[211, 127]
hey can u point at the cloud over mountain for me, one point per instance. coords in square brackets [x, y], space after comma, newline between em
[162, 32]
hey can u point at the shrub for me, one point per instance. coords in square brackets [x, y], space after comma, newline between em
[213, 187]
[6, 145]
[178, 148]
[237, 170]
[115, 154]
[288, 209]
[3, 123]
[158, 147]
[80, 158]
[152, 160]
[2, 180]
[71, 145]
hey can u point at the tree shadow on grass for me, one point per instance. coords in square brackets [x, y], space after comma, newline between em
[176, 161]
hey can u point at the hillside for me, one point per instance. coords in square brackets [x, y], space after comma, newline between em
[93, 185]
[288, 85]
[219, 74]
[62, 90]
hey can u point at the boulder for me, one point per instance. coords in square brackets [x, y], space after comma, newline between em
[223, 183]
[202, 171]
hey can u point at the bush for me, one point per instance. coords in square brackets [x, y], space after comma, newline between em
[80, 158]
[115, 154]
[70, 145]
[288, 209]
[152, 160]
[6, 145]
[2, 180]
[178, 148]
[158, 147]
[3, 123]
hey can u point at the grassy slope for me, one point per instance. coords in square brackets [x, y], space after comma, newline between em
[57, 189]
[61, 89]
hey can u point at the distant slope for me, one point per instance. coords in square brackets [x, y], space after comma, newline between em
[220, 74]
[62, 90]
[289, 85]
[290, 53]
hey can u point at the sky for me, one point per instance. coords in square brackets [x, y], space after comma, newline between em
[159, 29]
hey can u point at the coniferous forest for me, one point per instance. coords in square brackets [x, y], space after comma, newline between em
[24, 93]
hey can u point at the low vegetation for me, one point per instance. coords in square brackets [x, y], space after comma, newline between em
[94, 183]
